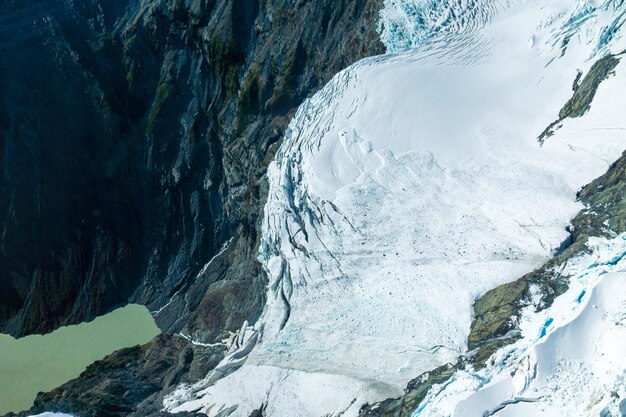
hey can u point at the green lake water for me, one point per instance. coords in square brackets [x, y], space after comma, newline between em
[42, 362]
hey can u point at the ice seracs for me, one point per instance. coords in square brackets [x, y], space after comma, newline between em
[410, 185]
[410, 23]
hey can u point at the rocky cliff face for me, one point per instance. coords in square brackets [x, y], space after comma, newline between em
[133, 144]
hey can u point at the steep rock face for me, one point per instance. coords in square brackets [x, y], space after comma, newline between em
[133, 144]
[57, 203]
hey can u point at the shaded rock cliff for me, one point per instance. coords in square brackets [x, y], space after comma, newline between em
[134, 139]
[133, 144]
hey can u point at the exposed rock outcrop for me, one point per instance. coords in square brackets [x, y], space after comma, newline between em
[584, 92]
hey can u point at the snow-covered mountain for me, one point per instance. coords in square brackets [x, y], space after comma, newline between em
[570, 360]
[415, 182]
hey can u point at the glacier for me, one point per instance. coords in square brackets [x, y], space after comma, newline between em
[410, 185]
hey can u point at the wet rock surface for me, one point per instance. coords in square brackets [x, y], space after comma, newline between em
[134, 139]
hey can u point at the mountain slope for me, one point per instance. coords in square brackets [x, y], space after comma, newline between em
[411, 185]
[134, 140]
[407, 188]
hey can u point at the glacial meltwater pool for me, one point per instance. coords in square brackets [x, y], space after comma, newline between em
[40, 363]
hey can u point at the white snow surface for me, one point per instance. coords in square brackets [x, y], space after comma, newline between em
[570, 361]
[47, 414]
[409, 186]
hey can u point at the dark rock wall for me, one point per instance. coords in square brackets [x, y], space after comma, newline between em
[584, 92]
[134, 139]
[133, 142]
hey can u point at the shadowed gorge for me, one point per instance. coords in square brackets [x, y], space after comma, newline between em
[134, 140]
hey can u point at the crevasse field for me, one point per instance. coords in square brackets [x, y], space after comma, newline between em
[413, 183]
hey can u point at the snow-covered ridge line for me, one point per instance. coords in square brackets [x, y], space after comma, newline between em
[570, 359]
